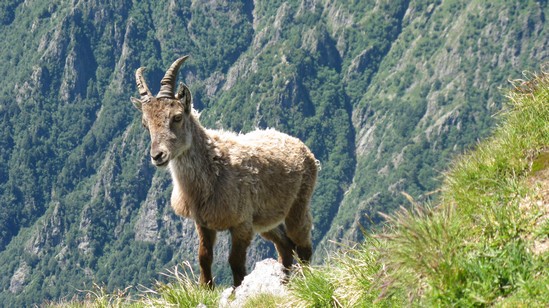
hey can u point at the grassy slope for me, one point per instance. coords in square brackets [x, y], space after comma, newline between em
[482, 245]
[485, 243]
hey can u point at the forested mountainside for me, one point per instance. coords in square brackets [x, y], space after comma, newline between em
[385, 93]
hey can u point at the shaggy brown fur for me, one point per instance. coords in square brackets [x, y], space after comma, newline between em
[260, 182]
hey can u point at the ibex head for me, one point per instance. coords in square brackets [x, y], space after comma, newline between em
[166, 116]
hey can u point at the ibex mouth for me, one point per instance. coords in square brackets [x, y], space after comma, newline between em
[161, 164]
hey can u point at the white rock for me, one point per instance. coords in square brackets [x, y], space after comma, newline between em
[268, 277]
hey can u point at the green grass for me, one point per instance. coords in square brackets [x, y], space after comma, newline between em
[315, 288]
[473, 247]
[100, 298]
[264, 301]
[182, 290]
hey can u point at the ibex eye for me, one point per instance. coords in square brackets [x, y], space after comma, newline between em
[178, 118]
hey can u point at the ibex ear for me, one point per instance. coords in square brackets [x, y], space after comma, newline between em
[137, 103]
[184, 96]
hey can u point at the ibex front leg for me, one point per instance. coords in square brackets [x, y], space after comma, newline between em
[241, 237]
[206, 239]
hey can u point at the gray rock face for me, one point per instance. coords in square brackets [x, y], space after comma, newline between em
[19, 278]
[267, 278]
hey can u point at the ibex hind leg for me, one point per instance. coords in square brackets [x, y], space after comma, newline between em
[299, 223]
[284, 246]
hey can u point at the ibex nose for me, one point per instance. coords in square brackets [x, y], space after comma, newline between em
[158, 158]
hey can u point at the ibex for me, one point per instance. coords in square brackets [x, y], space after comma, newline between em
[260, 182]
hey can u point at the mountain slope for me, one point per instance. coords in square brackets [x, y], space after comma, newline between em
[433, 96]
[385, 94]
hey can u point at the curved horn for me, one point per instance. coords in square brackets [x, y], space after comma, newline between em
[141, 84]
[167, 84]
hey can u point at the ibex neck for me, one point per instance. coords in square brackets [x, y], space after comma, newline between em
[195, 170]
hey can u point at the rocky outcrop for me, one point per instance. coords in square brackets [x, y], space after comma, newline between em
[19, 278]
[268, 277]
[49, 235]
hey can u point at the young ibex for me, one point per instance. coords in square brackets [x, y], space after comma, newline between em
[260, 182]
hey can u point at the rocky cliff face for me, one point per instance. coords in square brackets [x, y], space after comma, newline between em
[384, 94]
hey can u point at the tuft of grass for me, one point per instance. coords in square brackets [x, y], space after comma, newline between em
[100, 298]
[314, 288]
[183, 290]
[359, 273]
[420, 243]
[350, 278]
[265, 301]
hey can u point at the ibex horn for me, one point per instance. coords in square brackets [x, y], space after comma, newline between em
[167, 84]
[141, 84]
